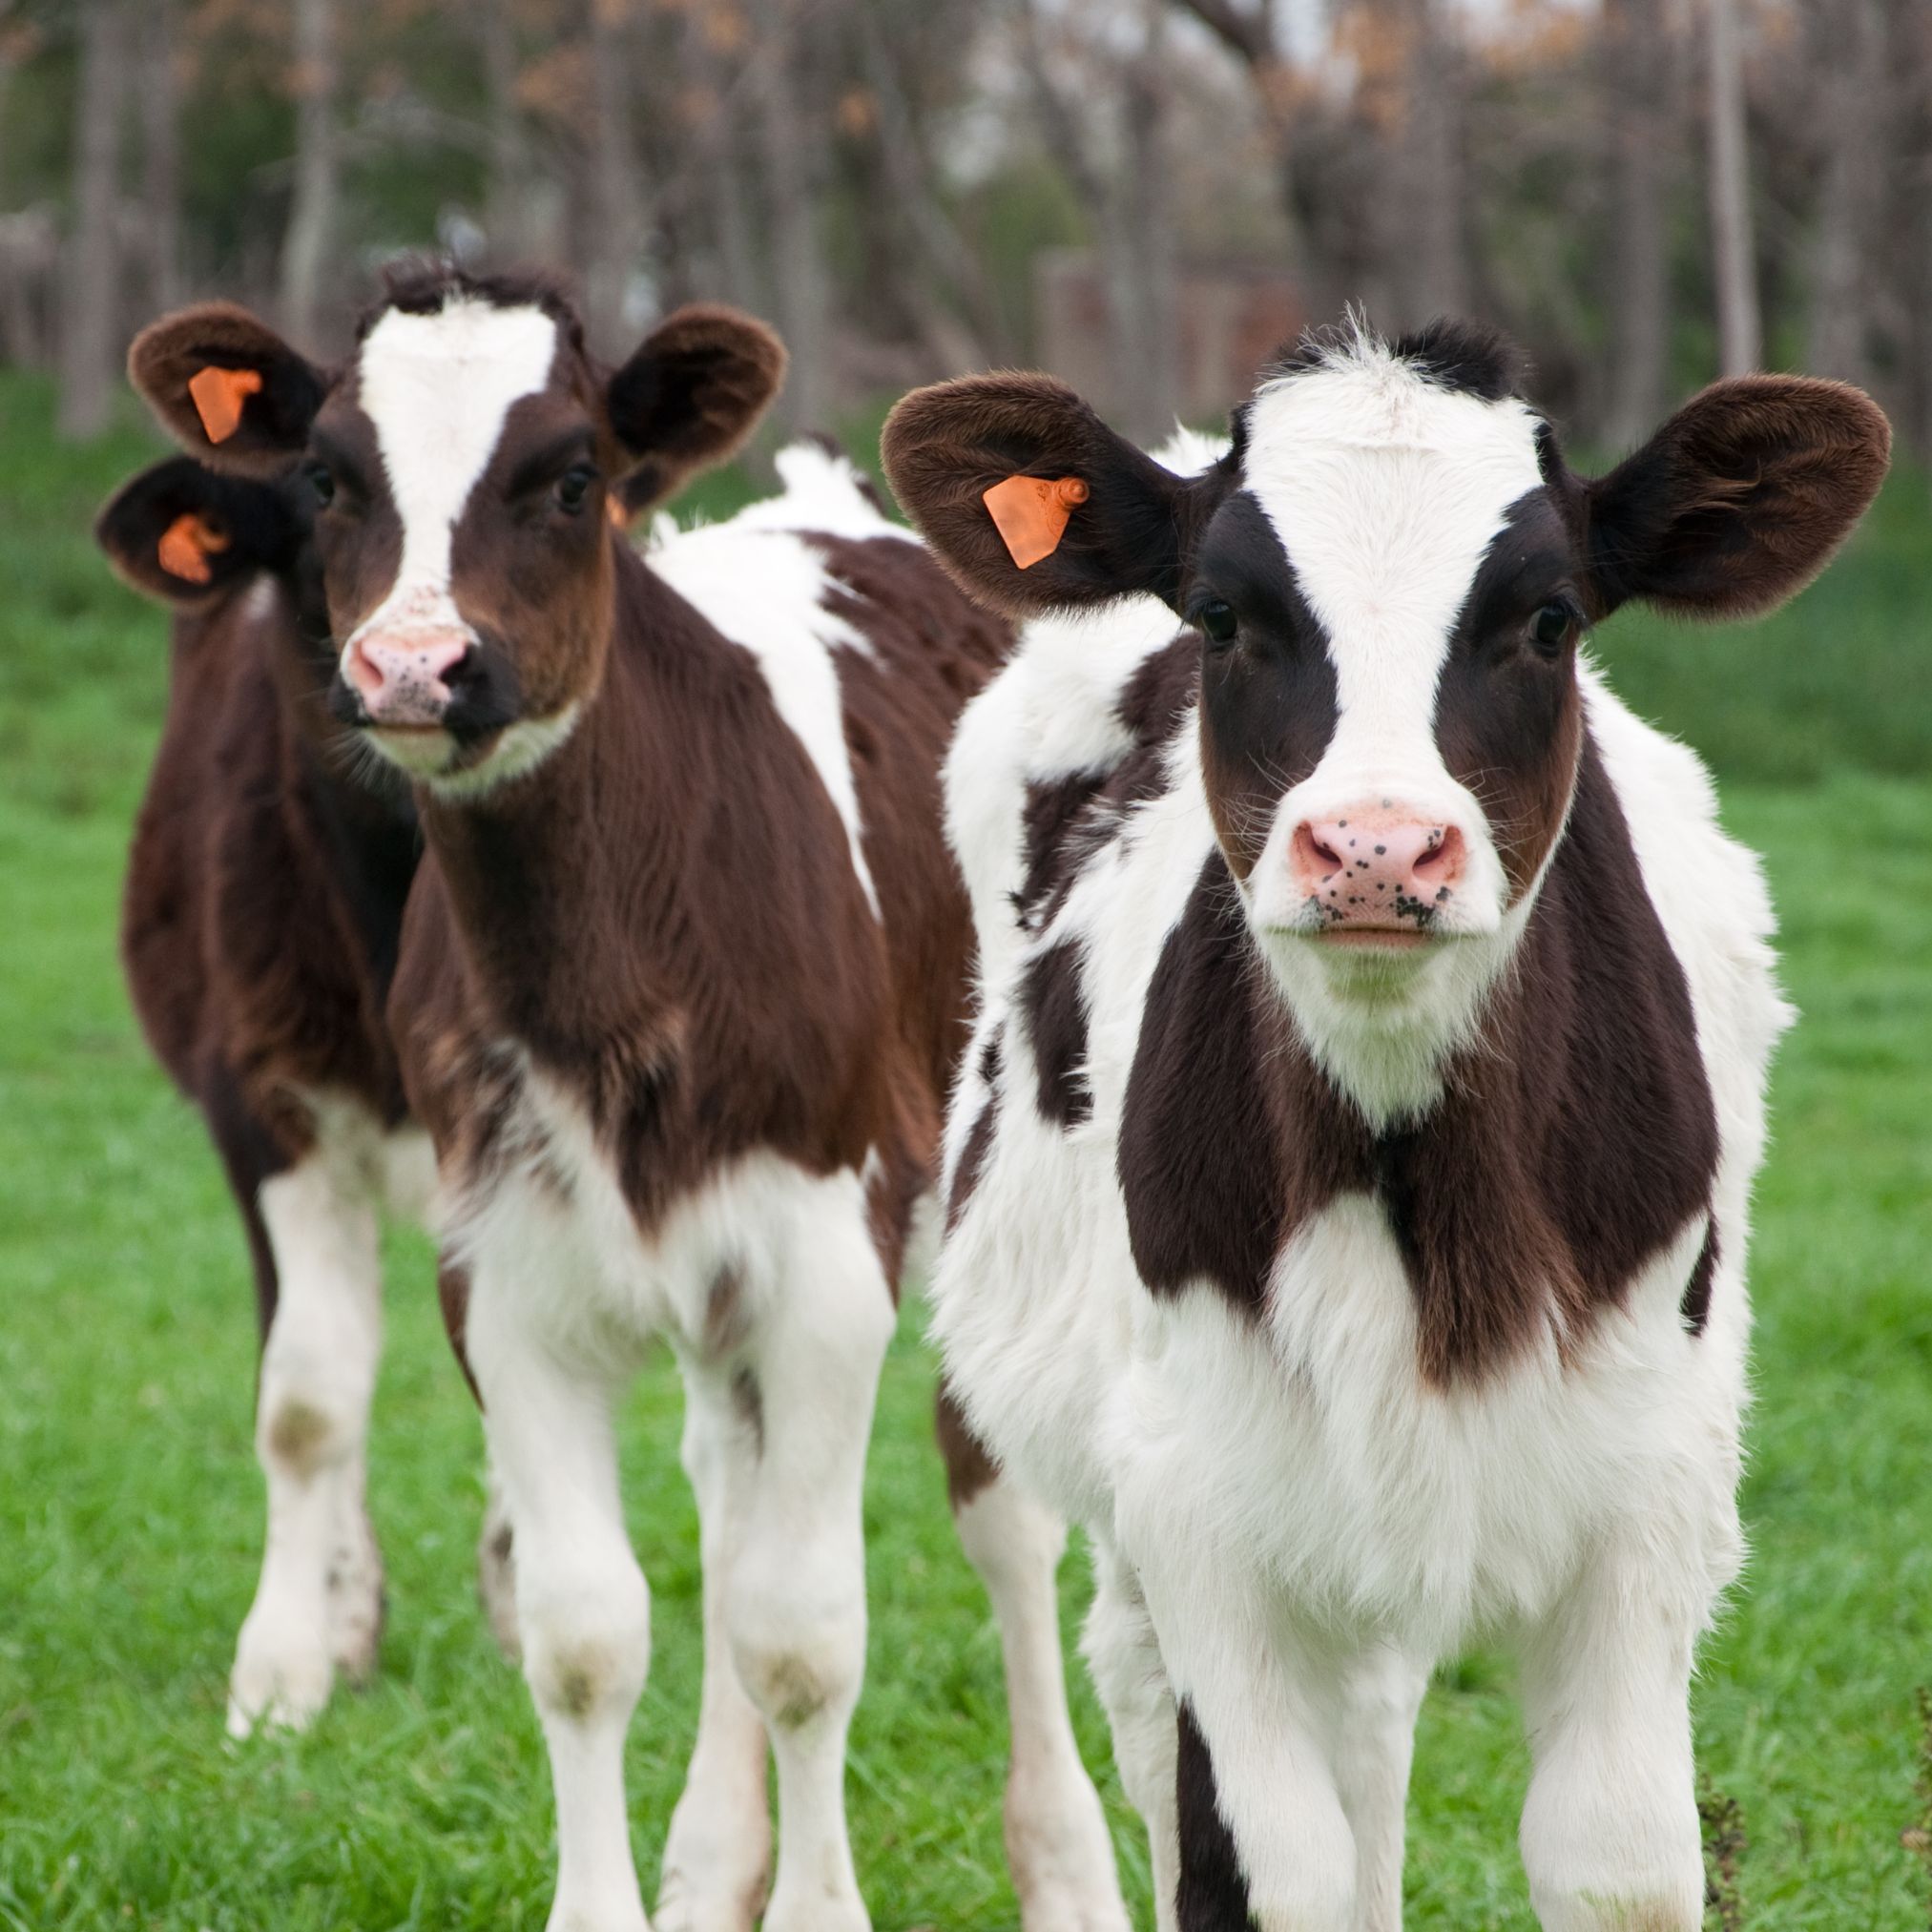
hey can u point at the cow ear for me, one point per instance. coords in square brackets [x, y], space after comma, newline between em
[690, 397]
[227, 388]
[1739, 500]
[181, 532]
[1032, 503]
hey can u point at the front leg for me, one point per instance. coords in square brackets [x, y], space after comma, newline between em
[1057, 1846]
[582, 1607]
[1381, 1693]
[1610, 1839]
[1264, 1837]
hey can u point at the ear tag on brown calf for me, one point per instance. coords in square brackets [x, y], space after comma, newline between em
[1030, 514]
[187, 544]
[219, 395]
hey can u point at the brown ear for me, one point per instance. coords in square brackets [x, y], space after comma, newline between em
[690, 397]
[1032, 503]
[1739, 500]
[181, 532]
[227, 388]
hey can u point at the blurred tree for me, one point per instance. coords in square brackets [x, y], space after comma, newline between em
[508, 227]
[1637, 58]
[1847, 48]
[1740, 333]
[91, 286]
[792, 148]
[310, 240]
[161, 154]
[614, 229]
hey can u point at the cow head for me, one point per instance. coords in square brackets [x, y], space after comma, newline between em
[1391, 573]
[470, 466]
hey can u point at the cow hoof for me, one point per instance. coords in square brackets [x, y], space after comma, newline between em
[279, 1682]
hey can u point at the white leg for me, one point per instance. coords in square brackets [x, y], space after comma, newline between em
[497, 1567]
[1124, 1660]
[1381, 1693]
[1610, 1836]
[318, 1603]
[1263, 1703]
[795, 1589]
[582, 1607]
[1057, 1846]
[717, 1856]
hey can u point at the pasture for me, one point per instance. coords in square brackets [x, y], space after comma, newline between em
[131, 1506]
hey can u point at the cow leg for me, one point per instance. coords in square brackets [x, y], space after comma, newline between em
[318, 1606]
[1124, 1660]
[1265, 1838]
[717, 1856]
[583, 1611]
[1057, 1846]
[497, 1567]
[1610, 1836]
[1381, 1693]
[794, 1604]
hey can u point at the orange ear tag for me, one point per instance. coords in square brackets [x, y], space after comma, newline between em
[219, 395]
[613, 508]
[1030, 514]
[187, 544]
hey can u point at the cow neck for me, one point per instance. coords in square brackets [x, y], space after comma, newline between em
[571, 886]
[1570, 1145]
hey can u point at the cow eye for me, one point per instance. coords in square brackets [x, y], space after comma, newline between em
[1551, 629]
[1217, 621]
[322, 481]
[573, 487]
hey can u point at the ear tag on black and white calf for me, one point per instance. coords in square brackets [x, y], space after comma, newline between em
[1030, 514]
[187, 544]
[218, 396]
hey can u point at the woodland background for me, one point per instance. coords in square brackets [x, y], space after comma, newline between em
[1142, 192]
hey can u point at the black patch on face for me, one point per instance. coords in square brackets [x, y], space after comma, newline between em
[1508, 718]
[1212, 1894]
[1695, 1306]
[1268, 699]
[1055, 1006]
[979, 1138]
[1572, 1143]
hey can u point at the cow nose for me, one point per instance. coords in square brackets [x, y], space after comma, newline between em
[405, 678]
[1372, 868]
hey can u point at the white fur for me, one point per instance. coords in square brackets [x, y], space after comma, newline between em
[764, 588]
[318, 1606]
[1301, 1480]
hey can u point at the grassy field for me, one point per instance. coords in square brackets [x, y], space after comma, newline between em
[130, 1506]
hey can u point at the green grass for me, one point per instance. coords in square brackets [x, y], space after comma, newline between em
[130, 1508]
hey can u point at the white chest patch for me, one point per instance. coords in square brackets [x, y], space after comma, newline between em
[438, 389]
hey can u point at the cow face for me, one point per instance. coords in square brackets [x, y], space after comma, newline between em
[469, 467]
[1391, 574]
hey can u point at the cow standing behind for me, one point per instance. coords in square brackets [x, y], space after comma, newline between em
[681, 988]
[262, 915]
[1349, 1191]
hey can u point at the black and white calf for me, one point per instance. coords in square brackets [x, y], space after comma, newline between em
[1349, 1189]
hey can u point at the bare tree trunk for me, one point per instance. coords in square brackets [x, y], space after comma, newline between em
[161, 154]
[1635, 72]
[309, 242]
[1851, 50]
[616, 214]
[1144, 247]
[722, 137]
[793, 168]
[507, 206]
[1430, 272]
[90, 286]
[1739, 341]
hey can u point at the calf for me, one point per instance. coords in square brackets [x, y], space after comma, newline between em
[681, 988]
[1349, 1193]
[263, 904]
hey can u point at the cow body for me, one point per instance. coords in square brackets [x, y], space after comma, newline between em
[263, 911]
[681, 991]
[1348, 1194]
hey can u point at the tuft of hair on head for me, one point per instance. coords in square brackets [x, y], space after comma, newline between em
[419, 283]
[1472, 357]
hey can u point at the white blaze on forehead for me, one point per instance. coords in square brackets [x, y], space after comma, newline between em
[438, 389]
[1385, 489]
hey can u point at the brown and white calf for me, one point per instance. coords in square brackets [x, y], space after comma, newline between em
[1349, 1189]
[681, 988]
[262, 910]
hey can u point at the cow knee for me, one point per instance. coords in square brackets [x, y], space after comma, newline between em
[586, 1632]
[310, 1418]
[800, 1651]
